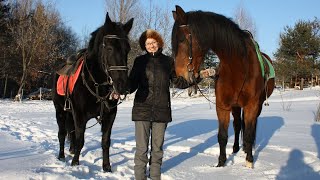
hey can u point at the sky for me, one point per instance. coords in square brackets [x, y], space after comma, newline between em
[270, 17]
[287, 143]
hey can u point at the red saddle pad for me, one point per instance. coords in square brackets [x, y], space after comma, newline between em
[62, 81]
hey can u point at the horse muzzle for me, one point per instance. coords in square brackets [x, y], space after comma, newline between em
[192, 77]
[116, 96]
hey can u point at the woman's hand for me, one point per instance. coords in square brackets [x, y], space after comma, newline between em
[207, 73]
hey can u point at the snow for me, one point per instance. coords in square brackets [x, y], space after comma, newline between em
[287, 143]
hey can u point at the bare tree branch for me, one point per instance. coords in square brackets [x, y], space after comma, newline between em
[32, 33]
[244, 20]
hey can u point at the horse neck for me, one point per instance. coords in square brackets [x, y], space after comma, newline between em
[95, 70]
[231, 62]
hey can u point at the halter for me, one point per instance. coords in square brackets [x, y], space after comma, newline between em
[190, 50]
[114, 68]
[103, 99]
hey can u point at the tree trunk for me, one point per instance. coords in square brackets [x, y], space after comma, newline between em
[5, 86]
[301, 83]
[22, 83]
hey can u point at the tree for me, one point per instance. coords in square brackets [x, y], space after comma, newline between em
[244, 20]
[31, 28]
[150, 16]
[122, 10]
[160, 19]
[299, 50]
[4, 37]
[211, 60]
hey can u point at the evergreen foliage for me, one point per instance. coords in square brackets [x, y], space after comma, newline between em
[299, 51]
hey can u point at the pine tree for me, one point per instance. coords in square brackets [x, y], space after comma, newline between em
[299, 50]
[211, 60]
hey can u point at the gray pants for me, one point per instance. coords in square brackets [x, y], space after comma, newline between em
[142, 133]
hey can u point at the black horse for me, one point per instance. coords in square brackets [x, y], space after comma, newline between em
[96, 92]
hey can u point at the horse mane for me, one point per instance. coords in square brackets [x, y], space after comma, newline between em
[94, 42]
[97, 36]
[214, 31]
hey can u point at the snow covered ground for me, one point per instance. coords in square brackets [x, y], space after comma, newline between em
[287, 143]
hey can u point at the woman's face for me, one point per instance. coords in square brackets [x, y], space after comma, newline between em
[151, 45]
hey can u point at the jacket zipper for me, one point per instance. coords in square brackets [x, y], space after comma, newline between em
[153, 60]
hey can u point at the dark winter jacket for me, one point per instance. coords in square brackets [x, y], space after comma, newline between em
[151, 75]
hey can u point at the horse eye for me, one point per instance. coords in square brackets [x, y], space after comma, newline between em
[181, 39]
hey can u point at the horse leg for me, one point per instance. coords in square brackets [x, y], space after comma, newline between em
[71, 132]
[61, 117]
[224, 119]
[107, 123]
[243, 130]
[236, 112]
[80, 124]
[250, 117]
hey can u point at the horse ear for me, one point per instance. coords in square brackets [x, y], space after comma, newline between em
[180, 11]
[127, 27]
[174, 14]
[108, 20]
[180, 15]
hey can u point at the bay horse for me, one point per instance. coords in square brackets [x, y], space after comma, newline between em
[241, 86]
[97, 91]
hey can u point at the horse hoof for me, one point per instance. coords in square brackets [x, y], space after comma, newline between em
[74, 163]
[220, 164]
[61, 158]
[107, 169]
[71, 151]
[235, 149]
[249, 164]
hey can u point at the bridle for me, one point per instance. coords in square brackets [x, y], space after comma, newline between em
[190, 70]
[113, 68]
[190, 66]
[103, 99]
[109, 82]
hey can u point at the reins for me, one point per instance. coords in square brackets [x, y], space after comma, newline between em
[204, 95]
[190, 70]
[103, 99]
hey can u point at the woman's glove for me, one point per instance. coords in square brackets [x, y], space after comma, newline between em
[207, 73]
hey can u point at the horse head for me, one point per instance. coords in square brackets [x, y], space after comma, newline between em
[185, 45]
[110, 46]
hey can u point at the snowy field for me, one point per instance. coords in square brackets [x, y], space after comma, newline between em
[287, 143]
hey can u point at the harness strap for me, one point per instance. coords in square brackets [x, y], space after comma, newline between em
[102, 99]
[264, 64]
[67, 103]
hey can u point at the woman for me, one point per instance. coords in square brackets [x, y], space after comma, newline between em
[150, 76]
